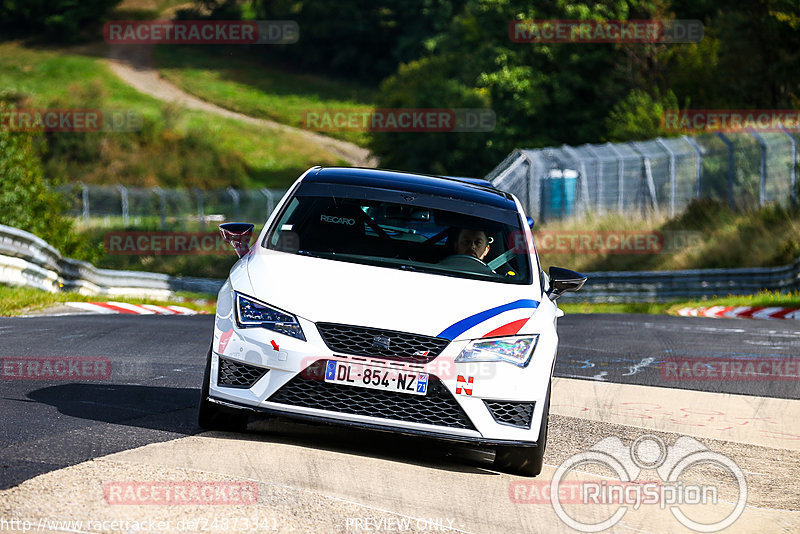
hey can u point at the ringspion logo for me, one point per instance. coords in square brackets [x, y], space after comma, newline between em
[648, 452]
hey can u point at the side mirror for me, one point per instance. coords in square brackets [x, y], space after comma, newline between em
[563, 281]
[237, 235]
[530, 222]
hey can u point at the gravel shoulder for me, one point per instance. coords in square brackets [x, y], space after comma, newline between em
[325, 479]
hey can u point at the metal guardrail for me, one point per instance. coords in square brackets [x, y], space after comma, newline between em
[29, 261]
[662, 286]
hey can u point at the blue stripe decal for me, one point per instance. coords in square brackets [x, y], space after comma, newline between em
[455, 330]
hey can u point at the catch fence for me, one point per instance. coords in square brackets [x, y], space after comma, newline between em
[745, 169]
[168, 208]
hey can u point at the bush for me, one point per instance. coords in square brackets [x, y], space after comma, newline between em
[58, 20]
[28, 202]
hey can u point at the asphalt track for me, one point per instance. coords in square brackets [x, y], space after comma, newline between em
[152, 395]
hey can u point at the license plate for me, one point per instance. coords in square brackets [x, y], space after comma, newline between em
[372, 377]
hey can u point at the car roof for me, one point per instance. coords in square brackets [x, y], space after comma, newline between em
[468, 189]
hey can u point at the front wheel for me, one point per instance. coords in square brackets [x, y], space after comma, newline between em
[211, 416]
[525, 461]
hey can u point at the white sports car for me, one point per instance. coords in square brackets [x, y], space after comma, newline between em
[391, 301]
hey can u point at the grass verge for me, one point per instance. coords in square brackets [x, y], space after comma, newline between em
[22, 300]
[765, 298]
[707, 235]
[174, 147]
[242, 84]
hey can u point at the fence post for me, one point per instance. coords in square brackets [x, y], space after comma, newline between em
[201, 216]
[162, 197]
[648, 175]
[699, 169]
[600, 182]
[270, 200]
[235, 196]
[731, 170]
[794, 165]
[123, 195]
[85, 202]
[620, 175]
[762, 187]
[534, 192]
[673, 180]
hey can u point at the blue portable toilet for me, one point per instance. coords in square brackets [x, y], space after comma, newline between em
[560, 189]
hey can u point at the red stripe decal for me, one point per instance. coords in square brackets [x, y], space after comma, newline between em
[725, 310]
[783, 313]
[112, 307]
[750, 312]
[507, 329]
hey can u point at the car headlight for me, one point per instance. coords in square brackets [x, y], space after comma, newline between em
[516, 350]
[251, 313]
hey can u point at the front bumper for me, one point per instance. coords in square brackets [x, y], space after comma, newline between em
[463, 389]
[330, 420]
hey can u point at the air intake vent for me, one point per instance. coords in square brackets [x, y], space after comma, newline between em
[233, 374]
[511, 413]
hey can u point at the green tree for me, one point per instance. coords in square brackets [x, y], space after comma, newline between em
[28, 202]
[639, 116]
[542, 94]
[360, 39]
[58, 20]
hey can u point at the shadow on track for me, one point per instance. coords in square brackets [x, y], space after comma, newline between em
[175, 410]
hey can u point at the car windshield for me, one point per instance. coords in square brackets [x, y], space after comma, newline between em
[414, 232]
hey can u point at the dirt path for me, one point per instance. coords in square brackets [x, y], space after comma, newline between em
[133, 65]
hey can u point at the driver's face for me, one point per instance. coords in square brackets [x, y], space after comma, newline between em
[472, 243]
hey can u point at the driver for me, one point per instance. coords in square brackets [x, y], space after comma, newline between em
[472, 243]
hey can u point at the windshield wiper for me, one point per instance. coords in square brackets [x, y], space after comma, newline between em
[315, 254]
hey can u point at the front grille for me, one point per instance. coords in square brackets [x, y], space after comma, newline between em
[437, 407]
[360, 341]
[511, 413]
[234, 374]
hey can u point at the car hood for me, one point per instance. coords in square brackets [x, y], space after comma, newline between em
[322, 290]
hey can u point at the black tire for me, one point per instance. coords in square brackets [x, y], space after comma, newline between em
[211, 416]
[525, 461]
